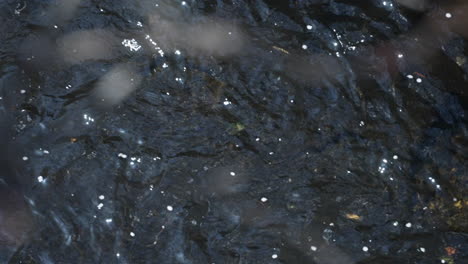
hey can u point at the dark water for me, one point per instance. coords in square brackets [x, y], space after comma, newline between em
[239, 145]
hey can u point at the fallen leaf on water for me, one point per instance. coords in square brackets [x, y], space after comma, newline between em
[450, 250]
[458, 204]
[353, 216]
[420, 74]
[281, 49]
[73, 140]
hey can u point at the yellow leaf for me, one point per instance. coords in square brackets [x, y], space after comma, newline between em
[280, 49]
[458, 204]
[353, 216]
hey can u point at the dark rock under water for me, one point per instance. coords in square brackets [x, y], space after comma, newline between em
[261, 131]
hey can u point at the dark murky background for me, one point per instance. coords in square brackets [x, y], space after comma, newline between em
[233, 131]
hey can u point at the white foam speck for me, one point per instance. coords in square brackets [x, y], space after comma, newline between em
[170, 208]
[448, 15]
[408, 225]
[25, 158]
[40, 179]
[101, 197]
[313, 248]
[304, 46]
[109, 220]
[132, 44]
[309, 27]
[132, 234]
[274, 256]
[365, 249]
[264, 199]
[419, 80]
[99, 206]
[232, 173]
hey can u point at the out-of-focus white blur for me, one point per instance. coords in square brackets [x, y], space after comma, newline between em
[118, 83]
